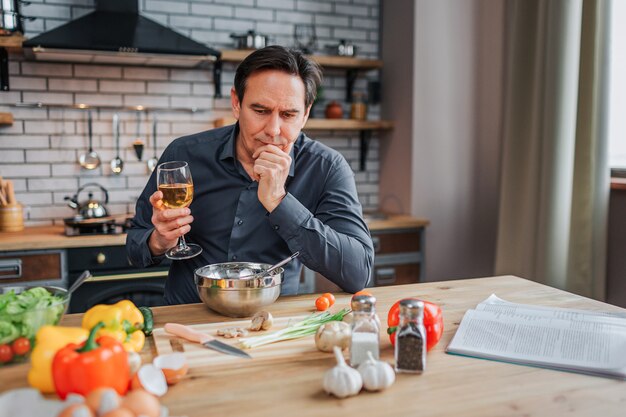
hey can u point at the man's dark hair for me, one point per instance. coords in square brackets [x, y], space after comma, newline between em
[282, 59]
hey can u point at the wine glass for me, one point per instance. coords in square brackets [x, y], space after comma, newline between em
[174, 181]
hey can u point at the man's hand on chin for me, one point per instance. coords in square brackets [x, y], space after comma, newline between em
[271, 169]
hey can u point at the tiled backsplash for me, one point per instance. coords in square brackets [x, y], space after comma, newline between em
[40, 151]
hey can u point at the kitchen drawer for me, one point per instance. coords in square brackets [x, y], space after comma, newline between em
[396, 275]
[382, 275]
[33, 266]
[396, 241]
[98, 258]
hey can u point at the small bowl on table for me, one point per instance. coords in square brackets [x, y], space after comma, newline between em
[238, 289]
[23, 310]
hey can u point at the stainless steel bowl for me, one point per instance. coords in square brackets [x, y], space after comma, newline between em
[225, 288]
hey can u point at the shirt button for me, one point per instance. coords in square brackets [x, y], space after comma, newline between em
[234, 257]
[240, 222]
[276, 227]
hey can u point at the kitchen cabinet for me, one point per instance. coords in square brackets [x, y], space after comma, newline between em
[114, 278]
[34, 267]
[399, 244]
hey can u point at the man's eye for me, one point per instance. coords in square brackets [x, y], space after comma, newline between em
[288, 115]
[259, 111]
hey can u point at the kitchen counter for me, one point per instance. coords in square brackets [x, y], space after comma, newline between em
[451, 386]
[52, 237]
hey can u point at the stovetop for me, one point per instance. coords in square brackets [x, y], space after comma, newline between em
[108, 226]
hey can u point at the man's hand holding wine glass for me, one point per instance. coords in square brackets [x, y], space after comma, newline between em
[170, 213]
[169, 224]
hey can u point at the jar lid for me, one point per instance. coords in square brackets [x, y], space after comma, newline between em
[364, 303]
[412, 306]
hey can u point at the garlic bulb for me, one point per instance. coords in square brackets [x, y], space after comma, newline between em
[342, 381]
[377, 375]
[334, 333]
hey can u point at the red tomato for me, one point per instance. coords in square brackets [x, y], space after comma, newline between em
[322, 304]
[21, 346]
[330, 298]
[6, 354]
[433, 322]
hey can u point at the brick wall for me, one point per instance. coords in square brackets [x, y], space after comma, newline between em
[40, 151]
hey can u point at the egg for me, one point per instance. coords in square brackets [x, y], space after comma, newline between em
[103, 400]
[173, 365]
[119, 412]
[142, 403]
[77, 410]
[151, 379]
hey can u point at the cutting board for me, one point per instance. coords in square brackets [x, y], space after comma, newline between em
[302, 349]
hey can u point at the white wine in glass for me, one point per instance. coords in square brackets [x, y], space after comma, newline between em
[174, 181]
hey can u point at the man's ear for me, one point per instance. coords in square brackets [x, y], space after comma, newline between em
[234, 102]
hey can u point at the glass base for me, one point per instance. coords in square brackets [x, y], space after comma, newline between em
[183, 252]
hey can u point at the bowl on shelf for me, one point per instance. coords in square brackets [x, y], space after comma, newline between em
[238, 289]
[23, 310]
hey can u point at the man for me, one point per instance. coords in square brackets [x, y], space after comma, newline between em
[262, 189]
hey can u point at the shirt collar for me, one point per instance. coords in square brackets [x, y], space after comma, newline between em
[228, 151]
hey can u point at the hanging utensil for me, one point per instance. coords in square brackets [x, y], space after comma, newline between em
[117, 165]
[89, 160]
[152, 162]
[138, 143]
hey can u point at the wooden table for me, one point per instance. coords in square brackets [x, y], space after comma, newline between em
[451, 386]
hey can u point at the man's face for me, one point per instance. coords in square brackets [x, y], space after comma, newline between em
[272, 112]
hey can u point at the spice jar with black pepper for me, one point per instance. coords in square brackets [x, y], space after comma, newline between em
[410, 350]
[365, 330]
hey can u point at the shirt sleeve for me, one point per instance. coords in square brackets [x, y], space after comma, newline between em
[335, 241]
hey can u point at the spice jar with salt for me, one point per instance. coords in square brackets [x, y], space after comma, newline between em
[410, 350]
[365, 330]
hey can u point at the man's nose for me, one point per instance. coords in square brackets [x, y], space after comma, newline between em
[272, 127]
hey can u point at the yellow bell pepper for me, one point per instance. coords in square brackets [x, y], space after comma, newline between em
[123, 321]
[48, 341]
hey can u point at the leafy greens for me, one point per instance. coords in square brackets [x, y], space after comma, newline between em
[22, 314]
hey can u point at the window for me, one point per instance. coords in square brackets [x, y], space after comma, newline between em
[617, 90]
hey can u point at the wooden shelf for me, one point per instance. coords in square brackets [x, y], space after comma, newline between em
[328, 124]
[350, 64]
[6, 119]
[13, 42]
[237, 55]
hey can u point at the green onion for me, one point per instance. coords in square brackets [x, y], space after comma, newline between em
[306, 327]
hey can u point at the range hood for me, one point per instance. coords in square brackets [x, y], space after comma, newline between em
[115, 33]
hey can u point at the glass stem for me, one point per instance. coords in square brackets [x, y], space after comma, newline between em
[182, 244]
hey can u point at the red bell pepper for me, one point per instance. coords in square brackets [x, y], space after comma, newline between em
[433, 322]
[93, 364]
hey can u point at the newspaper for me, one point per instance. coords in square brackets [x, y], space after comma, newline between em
[590, 342]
